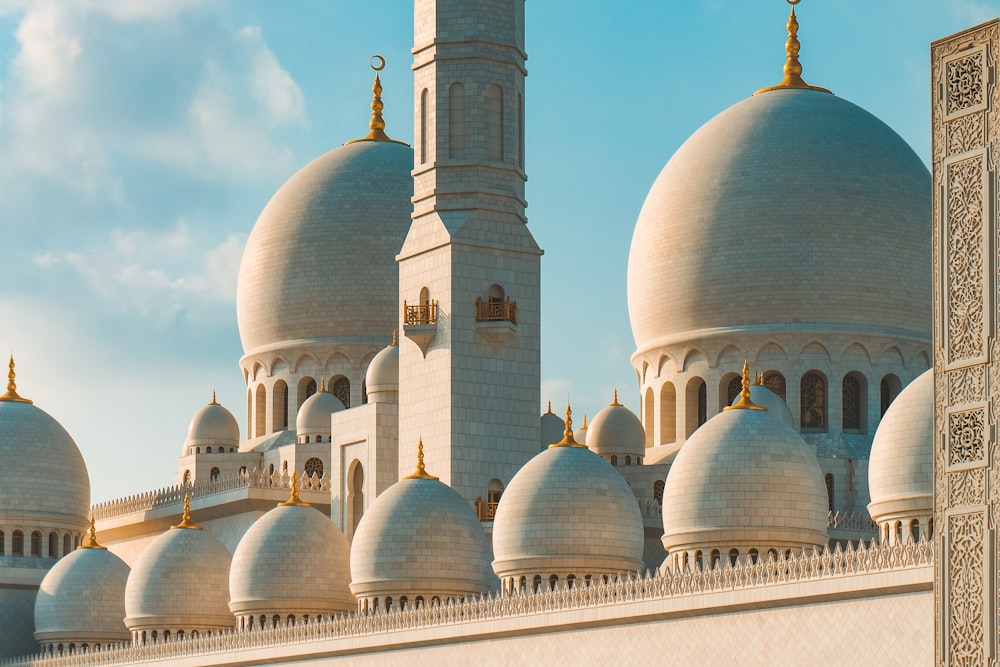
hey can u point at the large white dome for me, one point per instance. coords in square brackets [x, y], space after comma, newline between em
[320, 262]
[901, 468]
[82, 599]
[791, 192]
[292, 560]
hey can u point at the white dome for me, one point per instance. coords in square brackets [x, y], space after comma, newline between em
[567, 511]
[901, 468]
[314, 415]
[824, 190]
[292, 560]
[82, 599]
[43, 473]
[744, 480]
[616, 430]
[420, 538]
[776, 406]
[552, 429]
[319, 265]
[213, 425]
[383, 371]
[180, 582]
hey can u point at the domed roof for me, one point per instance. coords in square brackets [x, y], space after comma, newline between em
[554, 506]
[326, 243]
[213, 425]
[552, 428]
[43, 471]
[383, 371]
[776, 406]
[901, 468]
[825, 192]
[292, 560]
[82, 598]
[314, 415]
[747, 479]
[616, 430]
[420, 537]
[180, 581]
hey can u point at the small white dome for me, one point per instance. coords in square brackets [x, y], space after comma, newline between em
[180, 582]
[552, 428]
[383, 371]
[213, 425]
[744, 480]
[776, 406]
[82, 599]
[314, 415]
[901, 468]
[420, 538]
[554, 509]
[43, 472]
[616, 430]
[292, 560]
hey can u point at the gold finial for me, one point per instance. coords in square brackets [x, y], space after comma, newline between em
[186, 516]
[745, 403]
[322, 385]
[615, 402]
[395, 339]
[793, 68]
[376, 126]
[421, 472]
[584, 427]
[214, 402]
[568, 440]
[91, 540]
[12, 394]
[293, 499]
[549, 411]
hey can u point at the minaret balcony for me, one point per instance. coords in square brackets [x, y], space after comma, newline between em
[496, 319]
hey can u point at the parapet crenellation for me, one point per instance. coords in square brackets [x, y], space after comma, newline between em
[805, 566]
[172, 495]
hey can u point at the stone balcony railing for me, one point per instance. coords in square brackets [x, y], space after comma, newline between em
[805, 566]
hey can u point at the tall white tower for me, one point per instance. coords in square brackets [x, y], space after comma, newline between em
[469, 268]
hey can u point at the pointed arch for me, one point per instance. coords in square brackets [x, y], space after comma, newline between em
[668, 415]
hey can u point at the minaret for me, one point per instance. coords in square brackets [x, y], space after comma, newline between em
[469, 268]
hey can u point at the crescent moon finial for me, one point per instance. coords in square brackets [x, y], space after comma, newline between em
[378, 62]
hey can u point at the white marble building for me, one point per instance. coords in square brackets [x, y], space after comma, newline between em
[775, 516]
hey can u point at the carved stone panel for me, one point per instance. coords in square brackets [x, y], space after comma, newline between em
[966, 621]
[965, 261]
[966, 437]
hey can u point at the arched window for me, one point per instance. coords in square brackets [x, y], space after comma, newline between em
[647, 416]
[914, 530]
[208, 450]
[214, 475]
[697, 405]
[341, 388]
[494, 123]
[356, 495]
[668, 416]
[853, 401]
[53, 545]
[614, 459]
[553, 582]
[714, 559]
[888, 389]
[493, 491]
[314, 466]
[734, 555]
[628, 459]
[733, 389]
[658, 491]
[67, 544]
[536, 584]
[775, 381]
[754, 554]
[279, 406]
[187, 477]
[423, 126]
[260, 412]
[520, 130]
[829, 490]
[36, 543]
[456, 121]
[812, 401]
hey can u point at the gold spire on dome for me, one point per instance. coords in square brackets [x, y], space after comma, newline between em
[745, 403]
[568, 440]
[395, 339]
[377, 125]
[12, 394]
[91, 540]
[421, 472]
[214, 402]
[793, 68]
[584, 427]
[615, 402]
[293, 499]
[322, 385]
[186, 516]
[549, 411]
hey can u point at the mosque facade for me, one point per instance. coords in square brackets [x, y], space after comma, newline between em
[394, 494]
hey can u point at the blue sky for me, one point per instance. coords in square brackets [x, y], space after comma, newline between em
[140, 139]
